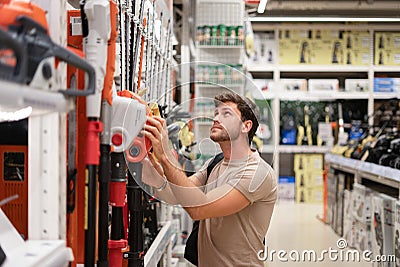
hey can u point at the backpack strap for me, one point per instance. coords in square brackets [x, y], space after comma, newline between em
[214, 162]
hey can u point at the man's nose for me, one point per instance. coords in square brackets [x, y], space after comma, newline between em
[216, 118]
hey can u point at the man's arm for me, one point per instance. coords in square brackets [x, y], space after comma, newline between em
[186, 191]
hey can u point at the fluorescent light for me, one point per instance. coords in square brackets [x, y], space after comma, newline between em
[261, 6]
[320, 19]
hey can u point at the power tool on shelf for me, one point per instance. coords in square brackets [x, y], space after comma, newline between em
[29, 58]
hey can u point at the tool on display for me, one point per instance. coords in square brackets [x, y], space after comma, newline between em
[24, 28]
[29, 58]
[105, 147]
[137, 36]
[95, 38]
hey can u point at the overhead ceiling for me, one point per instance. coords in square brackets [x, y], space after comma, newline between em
[340, 8]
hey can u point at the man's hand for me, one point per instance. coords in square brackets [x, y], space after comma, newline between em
[156, 131]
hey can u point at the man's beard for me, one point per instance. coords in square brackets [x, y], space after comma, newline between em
[223, 136]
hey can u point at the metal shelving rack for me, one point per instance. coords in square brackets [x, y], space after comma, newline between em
[47, 156]
[276, 70]
[208, 12]
[365, 170]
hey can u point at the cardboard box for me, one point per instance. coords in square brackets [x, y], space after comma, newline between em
[348, 223]
[323, 85]
[356, 85]
[397, 233]
[362, 236]
[292, 85]
[386, 84]
[309, 195]
[357, 48]
[347, 207]
[309, 178]
[286, 188]
[308, 162]
[349, 231]
[377, 225]
[327, 47]
[362, 203]
[387, 48]
[388, 225]
[295, 47]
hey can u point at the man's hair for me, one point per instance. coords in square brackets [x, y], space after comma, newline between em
[248, 109]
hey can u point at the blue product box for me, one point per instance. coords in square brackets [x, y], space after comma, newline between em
[286, 187]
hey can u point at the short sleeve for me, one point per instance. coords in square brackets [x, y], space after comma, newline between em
[257, 182]
[201, 174]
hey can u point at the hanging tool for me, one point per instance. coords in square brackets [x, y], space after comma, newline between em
[105, 148]
[159, 58]
[96, 36]
[138, 39]
[23, 28]
[149, 43]
[165, 64]
[141, 54]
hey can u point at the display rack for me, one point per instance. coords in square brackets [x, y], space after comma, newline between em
[365, 170]
[275, 72]
[46, 244]
[214, 56]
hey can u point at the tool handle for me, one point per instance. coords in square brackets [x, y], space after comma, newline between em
[74, 60]
[18, 73]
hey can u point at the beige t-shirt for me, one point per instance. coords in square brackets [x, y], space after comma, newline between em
[234, 240]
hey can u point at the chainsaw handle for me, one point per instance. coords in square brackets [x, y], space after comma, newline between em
[20, 69]
[63, 54]
[76, 61]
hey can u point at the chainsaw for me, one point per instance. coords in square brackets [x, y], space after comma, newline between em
[28, 55]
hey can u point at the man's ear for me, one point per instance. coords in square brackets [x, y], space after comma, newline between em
[246, 126]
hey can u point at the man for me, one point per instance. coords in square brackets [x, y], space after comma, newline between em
[235, 205]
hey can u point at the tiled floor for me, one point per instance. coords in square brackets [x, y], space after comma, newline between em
[297, 227]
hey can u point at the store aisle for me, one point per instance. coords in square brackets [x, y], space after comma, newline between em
[297, 227]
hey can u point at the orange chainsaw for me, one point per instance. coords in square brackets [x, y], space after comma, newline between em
[28, 55]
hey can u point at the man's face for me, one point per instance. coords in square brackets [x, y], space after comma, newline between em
[227, 123]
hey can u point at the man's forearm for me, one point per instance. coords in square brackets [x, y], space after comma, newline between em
[185, 191]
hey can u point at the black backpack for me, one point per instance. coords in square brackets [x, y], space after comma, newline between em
[191, 251]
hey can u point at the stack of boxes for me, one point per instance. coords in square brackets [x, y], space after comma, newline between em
[348, 223]
[396, 234]
[339, 209]
[382, 225]
[361, 202]
[387, 48]
[324, 47]
[265, 49]
[308, 169]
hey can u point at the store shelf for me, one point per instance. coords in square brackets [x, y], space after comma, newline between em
[159, 245]
[32, 252]
[303, 149]
[216, 84]
[322, 68]
[14, 96]
[386, 95]
[261, 68]
[220, 46]
[320, 95]
[386, 68]
[307, 68]
[381, 174]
